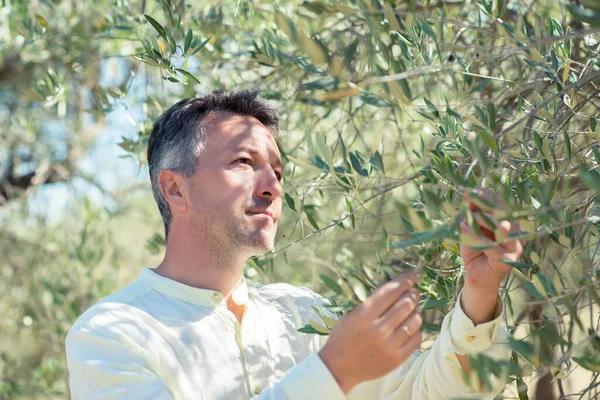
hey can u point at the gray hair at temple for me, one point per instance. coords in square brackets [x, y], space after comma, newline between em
[178, 136]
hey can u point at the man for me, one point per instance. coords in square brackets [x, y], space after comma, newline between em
[194, 328]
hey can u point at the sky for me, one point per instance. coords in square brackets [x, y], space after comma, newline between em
[104, 159]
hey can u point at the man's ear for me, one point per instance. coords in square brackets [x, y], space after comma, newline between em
[173, 187]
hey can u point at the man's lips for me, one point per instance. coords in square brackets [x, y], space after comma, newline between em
[265, 212]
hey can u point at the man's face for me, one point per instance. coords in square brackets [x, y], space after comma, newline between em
[235, 194]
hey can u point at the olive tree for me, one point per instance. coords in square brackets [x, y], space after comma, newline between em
[390, 112]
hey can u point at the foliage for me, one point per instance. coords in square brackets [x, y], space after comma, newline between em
[390, 112]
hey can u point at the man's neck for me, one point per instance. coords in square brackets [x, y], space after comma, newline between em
[198, 265]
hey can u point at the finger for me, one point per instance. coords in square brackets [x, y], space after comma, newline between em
[385, 296]
[410, 327]
[408, 347]
[510, 250]
[515, 227]
[398, 312]
[505, 228]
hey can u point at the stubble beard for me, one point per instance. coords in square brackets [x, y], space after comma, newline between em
[249, 236]
[231, 238]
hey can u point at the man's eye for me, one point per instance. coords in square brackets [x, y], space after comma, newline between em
[244, 160]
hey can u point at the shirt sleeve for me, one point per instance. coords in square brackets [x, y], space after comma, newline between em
[436, 373]
[309, 379]
[104, 366]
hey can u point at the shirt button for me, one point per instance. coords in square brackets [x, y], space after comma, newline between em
[216, 296]
[470, 338]
[257, 391]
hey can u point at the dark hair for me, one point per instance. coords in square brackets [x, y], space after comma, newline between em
[178, 136]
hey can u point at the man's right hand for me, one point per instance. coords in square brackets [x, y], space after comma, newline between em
[371, 340]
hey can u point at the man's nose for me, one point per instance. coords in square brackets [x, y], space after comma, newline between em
[269, 185]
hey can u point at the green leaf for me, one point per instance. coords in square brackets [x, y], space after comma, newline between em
[567, 144]
[172, 43]
[168, 9]
[427, 29]
[525, 349]
[309, 329]
[432, 108]
[385, 241]
[539, 141]
[323, 83]
[325, 150]
[421, 237]
[357, 165]
[589, 358]
[556, 26]
[127, 144]
[591, 178]
[481, 201]
[311, 218]
[350, 212]
[358, 287]
[154, 244]
[375, 101]
[596, 153]
[187, 41]
[585, 15]
[377, 161]
[285, 24]
[533, 291]
[342, 147]
[320, 163]
[487, 138]
[319, 327]
[290, 201]
[303, 164]
[349, 53]
[42, 21]
[491, 116]
[331, 284]
[201, 45]
[159, 28]
[482, 116]
[429, 304]
[590, 361]
[431, 327]
[518, 264]
[187, 74]
[554, 60]
[479, 86]
[318, 7]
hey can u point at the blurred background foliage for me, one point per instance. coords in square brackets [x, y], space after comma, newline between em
[390, 111]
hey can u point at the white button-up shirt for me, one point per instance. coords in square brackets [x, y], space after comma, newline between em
[160, 339]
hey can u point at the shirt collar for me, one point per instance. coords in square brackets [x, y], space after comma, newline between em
[190, 294]
[240, 293]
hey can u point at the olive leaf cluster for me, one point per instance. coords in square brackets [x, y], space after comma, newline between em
[390, 112]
